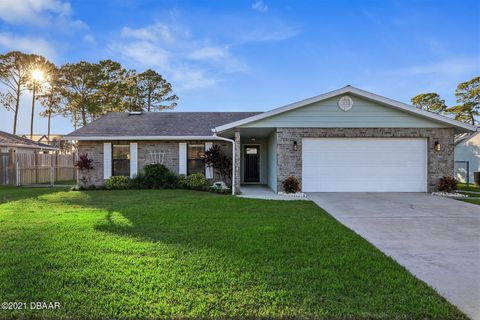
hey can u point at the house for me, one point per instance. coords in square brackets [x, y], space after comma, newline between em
[346, 140]
[55, 140]
[467, 156]
[10, 142]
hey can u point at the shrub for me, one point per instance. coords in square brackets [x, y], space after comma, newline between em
[197, 181]
[118, 183]
[139, 181]
[182, 182]
[291, 185]
[171, 180]
[447, 184]
[155, 175]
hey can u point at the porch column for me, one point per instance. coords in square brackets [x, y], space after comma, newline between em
[236, 183]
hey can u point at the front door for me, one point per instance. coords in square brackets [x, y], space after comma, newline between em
[252, 172]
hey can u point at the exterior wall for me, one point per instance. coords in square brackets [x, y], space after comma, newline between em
[272, 161]
[468, 150]
[94, 149]
[440, 163]
[363, 114]
[263, 158]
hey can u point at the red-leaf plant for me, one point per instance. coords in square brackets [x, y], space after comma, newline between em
[84, 165]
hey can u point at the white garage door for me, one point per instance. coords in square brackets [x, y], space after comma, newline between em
[364, 165]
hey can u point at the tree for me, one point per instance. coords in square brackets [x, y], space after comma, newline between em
[468, 95]
[40, 70]
[14, 75]
[50, 97]
[113, 86]
[429, 102]
[78, 84]
[153, 92]
[215, 158]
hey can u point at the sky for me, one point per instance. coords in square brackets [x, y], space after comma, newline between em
[253, 55]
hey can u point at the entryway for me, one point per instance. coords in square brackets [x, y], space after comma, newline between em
[252, 164]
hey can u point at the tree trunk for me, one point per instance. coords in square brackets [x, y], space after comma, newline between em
[33, 112]
[84, 116]
[48, 128]
[149, 101]
[17, 106]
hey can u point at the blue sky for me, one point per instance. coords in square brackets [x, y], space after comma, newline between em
[254, 55]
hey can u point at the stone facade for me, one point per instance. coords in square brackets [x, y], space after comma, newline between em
[94, 149]
[440, 163]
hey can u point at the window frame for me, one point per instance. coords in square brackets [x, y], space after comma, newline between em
[196, 159]
[113, 159]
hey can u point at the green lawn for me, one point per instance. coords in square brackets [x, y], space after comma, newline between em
[186, 254]
[472, 197]
[470, 187]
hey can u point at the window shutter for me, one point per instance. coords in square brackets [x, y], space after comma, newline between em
[182, 158]
[133, 159]
[208, 170]
[107, 160]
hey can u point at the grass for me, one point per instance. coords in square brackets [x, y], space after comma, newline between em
[186, 254]
[472, 196]
[470, 187]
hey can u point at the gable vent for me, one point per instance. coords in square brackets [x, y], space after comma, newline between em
[134, 113]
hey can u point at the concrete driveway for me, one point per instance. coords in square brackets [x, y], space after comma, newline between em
[436, 239]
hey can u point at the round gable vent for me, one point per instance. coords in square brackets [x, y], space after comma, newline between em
[345, 103]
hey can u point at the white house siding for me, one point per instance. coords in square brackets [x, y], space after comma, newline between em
[363, 114]
[468, 150]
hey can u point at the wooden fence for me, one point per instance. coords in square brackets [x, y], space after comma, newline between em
[36, 168]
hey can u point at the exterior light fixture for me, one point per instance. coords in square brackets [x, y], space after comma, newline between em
[438, 146]
[295, 146]
[253, 139]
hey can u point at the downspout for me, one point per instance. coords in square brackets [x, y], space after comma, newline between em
[233, 157]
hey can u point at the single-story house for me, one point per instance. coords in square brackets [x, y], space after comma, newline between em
[346, 140]
[10, 142]
[467, 156]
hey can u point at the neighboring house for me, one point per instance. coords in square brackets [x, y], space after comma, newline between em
[55, 140]
[347, 140]
[22, 145]
[467, 149]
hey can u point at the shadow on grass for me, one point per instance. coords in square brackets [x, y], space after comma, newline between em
[8, 194]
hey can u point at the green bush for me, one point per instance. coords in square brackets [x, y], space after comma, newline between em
[182, 181]
[171, 180]
[139, 181]
[118, 183]
[197, 181]
[155, 175]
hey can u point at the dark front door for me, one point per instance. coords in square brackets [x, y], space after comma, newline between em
[252, 172]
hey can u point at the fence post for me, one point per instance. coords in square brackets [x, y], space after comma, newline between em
[17, 174]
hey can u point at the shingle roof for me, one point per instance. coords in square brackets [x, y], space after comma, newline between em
[8, 139]
[158, 124]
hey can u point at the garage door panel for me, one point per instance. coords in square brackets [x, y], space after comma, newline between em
[363, 165]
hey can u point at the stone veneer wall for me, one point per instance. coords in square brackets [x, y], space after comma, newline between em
[440, 163]
[94, 149]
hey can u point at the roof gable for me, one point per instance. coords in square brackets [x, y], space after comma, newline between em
[326, 114]
[404, 113]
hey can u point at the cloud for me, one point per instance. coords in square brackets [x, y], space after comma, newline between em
[190, 62]
[41, 13]
[259, 6]
[445, 68]
[27, 44]
[90, 39]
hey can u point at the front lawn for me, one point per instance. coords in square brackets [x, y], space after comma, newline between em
[177, 253]
[470, 187]
[472, 191]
